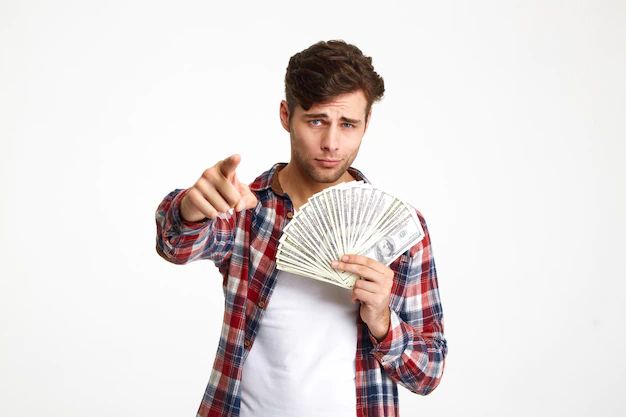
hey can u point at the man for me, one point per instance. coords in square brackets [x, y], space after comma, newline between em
[293, 346]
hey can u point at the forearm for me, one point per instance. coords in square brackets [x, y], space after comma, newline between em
[414, 349]
[411, 357]
[181, 242]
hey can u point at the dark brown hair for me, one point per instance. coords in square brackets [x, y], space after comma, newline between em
[327, 69]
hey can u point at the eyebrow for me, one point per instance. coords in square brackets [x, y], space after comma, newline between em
[325, 116]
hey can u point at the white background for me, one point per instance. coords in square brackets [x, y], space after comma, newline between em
[503, 122]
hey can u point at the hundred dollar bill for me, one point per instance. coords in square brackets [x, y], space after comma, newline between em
[352, 217]
[396, 241]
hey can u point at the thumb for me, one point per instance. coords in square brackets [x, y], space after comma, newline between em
[228, 166]
[248, 199]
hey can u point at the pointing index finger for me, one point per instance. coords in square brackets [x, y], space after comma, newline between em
[229, 165]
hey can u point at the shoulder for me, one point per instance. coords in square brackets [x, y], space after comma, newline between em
[266, 180]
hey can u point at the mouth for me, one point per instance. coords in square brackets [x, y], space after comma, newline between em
[327, 162]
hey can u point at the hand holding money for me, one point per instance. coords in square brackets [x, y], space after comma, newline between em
[351, 218]
[217, 191]
[373, 290]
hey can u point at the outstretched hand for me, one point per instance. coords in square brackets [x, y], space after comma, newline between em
[216, 191]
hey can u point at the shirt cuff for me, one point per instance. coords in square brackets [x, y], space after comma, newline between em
[385, 351]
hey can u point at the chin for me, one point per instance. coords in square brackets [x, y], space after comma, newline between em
[327, 176]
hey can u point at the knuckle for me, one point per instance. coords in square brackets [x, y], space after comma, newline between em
[193, 193]
[208, 173]
[219, 206]
[196, 197]
[212, 176]
[252, 202]
[201, 183]
[211, 213]
[223, 207]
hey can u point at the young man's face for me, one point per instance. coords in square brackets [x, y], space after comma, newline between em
[325, 139]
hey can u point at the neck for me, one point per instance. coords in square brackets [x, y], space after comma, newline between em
[300, 186]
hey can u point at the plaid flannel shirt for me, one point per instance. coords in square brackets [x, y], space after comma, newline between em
[243, 247]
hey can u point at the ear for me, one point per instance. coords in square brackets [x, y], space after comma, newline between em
[284, 115]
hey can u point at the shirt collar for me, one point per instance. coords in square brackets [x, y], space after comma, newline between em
[269, 179]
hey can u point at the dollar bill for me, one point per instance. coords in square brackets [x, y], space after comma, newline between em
[349, 218]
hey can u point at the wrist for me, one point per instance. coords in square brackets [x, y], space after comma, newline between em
[380, 329]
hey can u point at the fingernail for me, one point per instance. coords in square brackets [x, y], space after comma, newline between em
[344, 258]
[334, 264]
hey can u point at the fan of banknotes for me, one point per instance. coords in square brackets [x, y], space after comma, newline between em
[348, 218]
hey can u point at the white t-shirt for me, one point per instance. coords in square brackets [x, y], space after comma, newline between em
[302, 361]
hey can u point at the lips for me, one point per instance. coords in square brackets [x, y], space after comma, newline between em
[328, 163]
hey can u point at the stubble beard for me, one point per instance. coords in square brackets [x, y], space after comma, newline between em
[307, 167]
[321, 175]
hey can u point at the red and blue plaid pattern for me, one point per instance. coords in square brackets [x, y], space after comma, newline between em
[243, 246]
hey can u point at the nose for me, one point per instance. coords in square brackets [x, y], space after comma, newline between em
[330, 139]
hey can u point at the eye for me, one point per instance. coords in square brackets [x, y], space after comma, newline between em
[312, 122]
[349, 124]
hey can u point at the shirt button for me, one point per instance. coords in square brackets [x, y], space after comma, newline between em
[247, 343]
[261, 304]
[290, 215]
